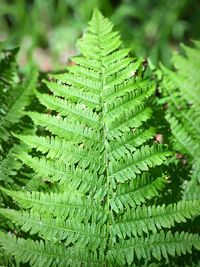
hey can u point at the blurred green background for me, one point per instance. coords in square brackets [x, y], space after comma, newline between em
[46, 30]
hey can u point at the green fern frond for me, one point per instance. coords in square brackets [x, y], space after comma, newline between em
[8, 68]
[56, 229]
[54, 147]
[92, 100]
[9, 165]
[188, 79]
[102, 166]
[7, 260]
[65, 108]
[16, 98]
[134, 163]
[136, 192]
[47, 254]
[22, 98]
[64, 128]
[69, 203]
[158, 245]
[187, 142]
[153, 218]
[181, 91]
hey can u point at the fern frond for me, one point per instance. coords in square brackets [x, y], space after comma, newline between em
[54, 147]
[73, 94]
[47, 254]
[188, 79]
[58, 204]
[128, 165]
[6, 260]
[8, 66]
[136, 192]
[71, 110]
[24, 92]
[18, 97]
[130, 141]
[152, 218]
[157, 245]
[181, 91]
[46, 226]
[129, 100]
[187, 143]
[102, 166]
[9, 165]
[47, 169]
[64, 127]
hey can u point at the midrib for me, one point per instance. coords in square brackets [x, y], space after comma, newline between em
[105, 144]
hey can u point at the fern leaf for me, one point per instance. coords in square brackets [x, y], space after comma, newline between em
[69, 129]
[13, 110]
[102, 166]
[147, 157]
[182, 90]
[74, 94]
[48, 254]
[157, 245]
[136, 192]
[153, 218]
[7, 260]
[58, 204]
[56, 229]
[9, 165]
[69, 109]
[57, 148]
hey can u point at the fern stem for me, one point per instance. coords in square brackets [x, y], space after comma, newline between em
[106, 148]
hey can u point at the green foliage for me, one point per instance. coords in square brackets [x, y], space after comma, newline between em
[8, 80]
[151, 31]
[103, 168]
[181, 90]
[15, 96]
[145, 25]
